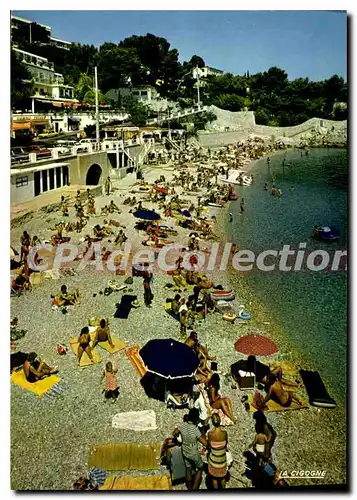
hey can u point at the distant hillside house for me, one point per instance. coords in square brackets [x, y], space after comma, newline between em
[32, 32]
[207, 71]
[145, 94]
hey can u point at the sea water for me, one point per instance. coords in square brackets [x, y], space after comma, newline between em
[310, 306]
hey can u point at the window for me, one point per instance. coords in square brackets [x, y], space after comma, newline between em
[44, 181]
[22, 181]
[58, 177]
[52, 178]
[144, 93]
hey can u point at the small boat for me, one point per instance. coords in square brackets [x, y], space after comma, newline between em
[233, 197]
[217, 205]
[223, 295]
[326, 233]
[236, 177]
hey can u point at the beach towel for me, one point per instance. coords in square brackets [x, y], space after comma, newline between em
[124, 308]
[35, 278]
[167, 308]
[52, 274]
[125, 456]
[39, 388]
[135, 420]
[137, 483]
[85, 361]
[273, 406]
[118, 344]
[133, 355]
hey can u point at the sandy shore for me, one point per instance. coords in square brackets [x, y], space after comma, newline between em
[50, 439]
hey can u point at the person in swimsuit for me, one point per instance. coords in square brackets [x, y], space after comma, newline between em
[102, 334]
[260, 442]
[111, 388]
[268, 430]
[217, 401]
[84, 345]
[277, 392]
[217, 456]
[35, 369]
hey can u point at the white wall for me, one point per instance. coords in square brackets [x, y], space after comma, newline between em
[23, 193]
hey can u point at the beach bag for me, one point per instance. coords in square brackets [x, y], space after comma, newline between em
[61, 349]
[258, 401]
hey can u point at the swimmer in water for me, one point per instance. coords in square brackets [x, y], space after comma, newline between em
[242, 207]
[266, 187]
[273, 190]
[230, 217]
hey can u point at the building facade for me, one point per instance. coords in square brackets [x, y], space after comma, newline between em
[26, 30]
[48, 85]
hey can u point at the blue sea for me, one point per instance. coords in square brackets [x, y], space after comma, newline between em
[310, 306]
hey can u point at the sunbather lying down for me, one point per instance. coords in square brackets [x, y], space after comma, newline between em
[277, 392]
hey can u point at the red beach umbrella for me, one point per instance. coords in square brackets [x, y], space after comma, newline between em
[257, 345]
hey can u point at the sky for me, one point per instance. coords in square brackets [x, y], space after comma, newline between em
[309, 44]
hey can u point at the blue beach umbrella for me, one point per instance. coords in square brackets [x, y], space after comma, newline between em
[169, 359]
[146, 215]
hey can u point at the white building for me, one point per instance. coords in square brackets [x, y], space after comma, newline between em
[26, 183]
[18, 23]
[49, 86]
[206, 71]
[146, 95]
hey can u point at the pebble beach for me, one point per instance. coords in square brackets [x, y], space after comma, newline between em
[50, 438]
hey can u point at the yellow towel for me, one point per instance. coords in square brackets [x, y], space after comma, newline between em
[125, 456]
[287, 368]
[274, 406]
[39, 388]
[85, 361]
[137, 483]
[118, 344]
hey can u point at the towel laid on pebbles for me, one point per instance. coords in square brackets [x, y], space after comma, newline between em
[85, 361]
[40, 387]
[137, 483]
[125, 456]
[135, 420]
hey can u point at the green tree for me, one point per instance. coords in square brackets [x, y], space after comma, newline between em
[230, 102]
[160, 65]
[137, 110]
[21, 82]
[89, 98]
[85, 84]
[261, 117]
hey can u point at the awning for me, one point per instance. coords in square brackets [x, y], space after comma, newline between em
[21, 125]
[58, 104]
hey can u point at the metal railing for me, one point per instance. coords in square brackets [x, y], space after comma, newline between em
[178, 114]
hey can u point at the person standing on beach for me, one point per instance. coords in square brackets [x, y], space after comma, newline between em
[148, 295]
[242, 207]
[111, 388]
[107, 185]
[190, 436]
